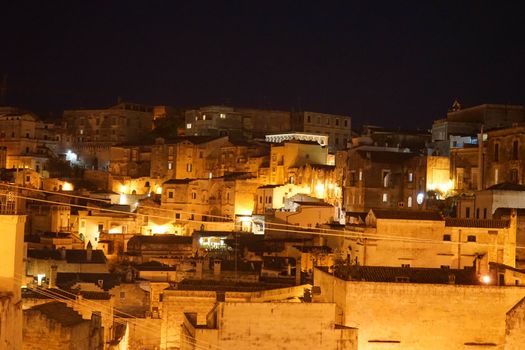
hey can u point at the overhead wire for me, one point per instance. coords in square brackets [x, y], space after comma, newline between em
[300, 230]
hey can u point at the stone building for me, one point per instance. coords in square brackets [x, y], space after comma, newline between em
[55, 326]
[11, 274]
[92, 132]
[186, 157]
[505, 156]
[131, 160]
[231, 325]
[29, 141]
[468, 122]
[380, 177]
[238, 123]
[432, 310]
[200, 297]
[409, 238]
[338, 128]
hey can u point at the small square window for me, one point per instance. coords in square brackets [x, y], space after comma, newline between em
[471, 238]
[447, 237]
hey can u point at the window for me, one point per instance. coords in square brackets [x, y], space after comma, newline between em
[467, 212]
[496, 152]
[327, 121]
[410, 177]
[405, 265]
[204, 117]
[100, 227]
[177, 215]
[515, 148]
[188, 167]
[514, 176]
[193, 195]
[170, 165]
[447, 237]
[308, 119]
[222, 116]
[170, 194]
[260, 199]
[385, 197]
[346, 123]
[385, 175]
[270, 199]
[409, 202]
[122, 295]
[201, 154]
[477, 213]
[496, 173]
[188, 125]
[28, 178]
[484, 213]
[337, 122]
[471, 238]
[360, 175]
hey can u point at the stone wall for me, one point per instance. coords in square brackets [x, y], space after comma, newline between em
[421, 316]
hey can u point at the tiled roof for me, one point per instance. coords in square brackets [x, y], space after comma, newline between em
[161, 239]
[407, 275]
[59, 312]
[67, 279]
[178, 181]
[406, 214]
[51, 293]
[313, 204]
[482, 223]
[73, 256]
[507, 186]
[225, 286]
[269, 186]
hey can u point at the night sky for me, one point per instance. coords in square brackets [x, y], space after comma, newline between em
[395, 63]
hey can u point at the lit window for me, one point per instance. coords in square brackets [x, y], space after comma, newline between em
[222, 116]
[360, 175]
[409, 202]
[385, 197]
[204, 117]
[81, 131]
[188, 168]
[188, 125]
[410, 177]
[420, 197]
[170, 165]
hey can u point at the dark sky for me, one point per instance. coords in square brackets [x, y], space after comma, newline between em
[393, 63]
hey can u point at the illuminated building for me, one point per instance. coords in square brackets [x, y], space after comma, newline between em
[90, 133]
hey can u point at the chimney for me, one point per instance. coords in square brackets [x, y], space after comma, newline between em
[216, 267]
[63, 253]
[53, 277]
[89, 252]
[198, 269]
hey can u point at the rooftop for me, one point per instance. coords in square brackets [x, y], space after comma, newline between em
[406, 214]
[507, 186]
[59, 312]
[482, 223]
[465, 276]
[72, 256]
